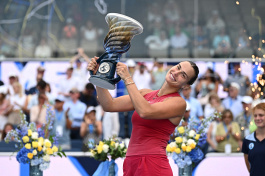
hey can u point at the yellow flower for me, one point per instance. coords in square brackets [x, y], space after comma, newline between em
[112, 143]
[55, 149]
[188, 149]
[25, 139]
[181, 130]
[30, 155]
[47, 143]
[40, 140]
[49, 151]
[28, 146]
[192, 145]
[177, 150]
[34, 152]
[29, 132]
[197, 137]
[183, 147]
[178, 140]
[39, 148]
[168, 149]
[101, 143]
[100, 148]
[35, 144]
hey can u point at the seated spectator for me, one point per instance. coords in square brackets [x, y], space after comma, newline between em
[179, 39]
[245, 117]
[214, 105]
[257, 38]
[18, 102]
[200, 41]
[33, 90]
[75, 110]
[142, 77]
[215, 24]
[222, 44]
[8, 127]
[155, 42]
[43, 50]
[5, 107]
[228, 132]
[5, 49]
[62, 123]
[69, 31]
[38, 112]
[28, 42]
[89, 32]
[158, 73]
[91, 129]
[211, 135]
[171, 13]
[110, 125]
[242, 41]
[153, 14]
[233, 101]
[87, 96]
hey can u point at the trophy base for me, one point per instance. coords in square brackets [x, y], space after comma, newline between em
[101, 82]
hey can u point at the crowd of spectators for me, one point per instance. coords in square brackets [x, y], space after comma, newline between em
[166, 27]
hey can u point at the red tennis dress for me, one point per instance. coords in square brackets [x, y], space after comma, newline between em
[146, 154]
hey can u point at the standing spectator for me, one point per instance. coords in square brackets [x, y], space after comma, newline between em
[68, 83]
[18, 102]
[253, 144]
[245, 117]
[111, 124]
[158, 76]
[242, 40]
[228, 132]
[196, 111]
[200, 41]
[240, 79]
[12, 79]
[211, 135]
[214, 105]
[179, 39]
[8, 127]
[215, 24]
[89, 32]
[91, 129]
[69, 31]
[153, 15]
[222, 44]
[43, 50]
[32, 84]
[5, 107]
[62, 124]
[233, 101]
[186, 116]
[38, 112]
[87, 96]
[75, 110]
[142, 77]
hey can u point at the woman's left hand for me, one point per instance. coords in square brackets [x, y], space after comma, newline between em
[122, 70]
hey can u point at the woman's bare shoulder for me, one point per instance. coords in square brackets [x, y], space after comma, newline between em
[143, 92]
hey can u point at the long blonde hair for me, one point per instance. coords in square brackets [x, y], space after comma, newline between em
[20, 92]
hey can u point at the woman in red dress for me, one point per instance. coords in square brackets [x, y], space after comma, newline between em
[157, 113]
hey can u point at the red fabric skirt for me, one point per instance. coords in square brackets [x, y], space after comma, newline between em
[146, 165]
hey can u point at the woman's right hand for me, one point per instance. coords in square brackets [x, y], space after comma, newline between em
[93, 65]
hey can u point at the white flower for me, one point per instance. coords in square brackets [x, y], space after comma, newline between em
[192, 133]
[122, 145]
[46, 158]
[190, 141]
[105, 148]
[35, 135]
[47, 143]
[44, 149]
[184, 139]
[34, 152]
[183, 145]
[116, 145]
[173, 144]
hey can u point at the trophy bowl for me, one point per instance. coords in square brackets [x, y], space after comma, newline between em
[121, 31]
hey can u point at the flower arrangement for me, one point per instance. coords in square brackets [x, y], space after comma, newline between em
[188, 140]
[35, 146]
[111, 147]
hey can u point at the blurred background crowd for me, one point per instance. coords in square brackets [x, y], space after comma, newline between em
[172, 29]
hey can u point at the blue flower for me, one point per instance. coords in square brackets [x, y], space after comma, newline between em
[22, 155]
[202, 139]
[44, 165]
[36, 161]
[196, 155]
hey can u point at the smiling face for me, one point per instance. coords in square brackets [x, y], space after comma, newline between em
[259, 118]
[180, 74]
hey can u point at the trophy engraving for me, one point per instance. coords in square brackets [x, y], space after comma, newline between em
[121, 31]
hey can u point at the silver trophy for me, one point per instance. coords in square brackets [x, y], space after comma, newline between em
[121, 31]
